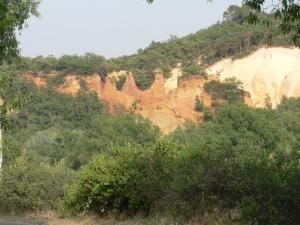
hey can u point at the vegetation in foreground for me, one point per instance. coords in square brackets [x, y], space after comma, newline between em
[62, 154]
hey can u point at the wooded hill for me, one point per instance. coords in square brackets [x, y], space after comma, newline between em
[232, 37]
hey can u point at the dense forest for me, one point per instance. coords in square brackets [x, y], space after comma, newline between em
[70, 155]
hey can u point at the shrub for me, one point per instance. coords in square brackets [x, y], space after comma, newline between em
[198, 104]
[193, 70]
[230, 90]
[125, 179]
[30, 183]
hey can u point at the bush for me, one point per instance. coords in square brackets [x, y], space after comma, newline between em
[193, 70]
[198, 104]
[230, 90]
[29, 183]
[125, 179]
[242, 159]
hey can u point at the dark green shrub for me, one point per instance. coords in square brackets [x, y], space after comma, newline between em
[30, 184]
[198, 104]
[125, 179]
[193, 70]
[230, 90]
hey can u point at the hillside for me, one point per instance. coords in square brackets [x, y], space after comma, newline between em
[193, 130]
[168, 103]
[232, 37]
[268, 73]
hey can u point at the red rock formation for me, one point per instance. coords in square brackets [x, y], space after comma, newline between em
[71, 85]
[94, 83]
[114, 97]
[166, 110]
[130, 88]
[156, 94]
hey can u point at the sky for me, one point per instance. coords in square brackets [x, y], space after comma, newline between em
[114, 27]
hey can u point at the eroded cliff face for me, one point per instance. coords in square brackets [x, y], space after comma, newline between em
[273, 72]
[167, 106]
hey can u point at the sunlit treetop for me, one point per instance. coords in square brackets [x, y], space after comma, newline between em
[287, 12]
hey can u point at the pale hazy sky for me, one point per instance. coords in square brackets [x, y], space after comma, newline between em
[114, 27]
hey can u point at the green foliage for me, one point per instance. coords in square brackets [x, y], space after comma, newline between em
[87, 64]
[104, 131]
[119, 83]
[13, 15]
[236, 13]
[127, 179]
[198, 104]
[51, 136]
[286, 12]
[243, 158]
[230, 38]
[230, 90]
[193, 70]
[46, 108]
[29, 183]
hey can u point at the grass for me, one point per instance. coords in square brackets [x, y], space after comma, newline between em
[51, 218]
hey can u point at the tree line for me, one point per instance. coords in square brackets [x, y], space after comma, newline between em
[232, 37]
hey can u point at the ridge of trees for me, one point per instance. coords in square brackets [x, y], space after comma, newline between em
[232, 37]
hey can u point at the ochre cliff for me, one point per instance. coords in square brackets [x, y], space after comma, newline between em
[167, 106]
[272, 72]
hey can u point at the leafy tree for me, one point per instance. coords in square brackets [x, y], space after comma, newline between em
[13, 15]
[236, 13]
[286, 11]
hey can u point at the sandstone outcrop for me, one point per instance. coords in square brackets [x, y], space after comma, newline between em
[71, 86]
[273, 72]
[168, 103]
[167, 108]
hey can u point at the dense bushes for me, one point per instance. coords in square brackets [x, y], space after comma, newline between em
[51, 135]
[124, 179]
[193, 70]
[30, 183]
[243, 159]
[229, 90]
[240, 158]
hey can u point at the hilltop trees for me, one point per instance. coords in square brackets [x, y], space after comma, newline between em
[230, 38]
[287, 12]
[236, 13]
